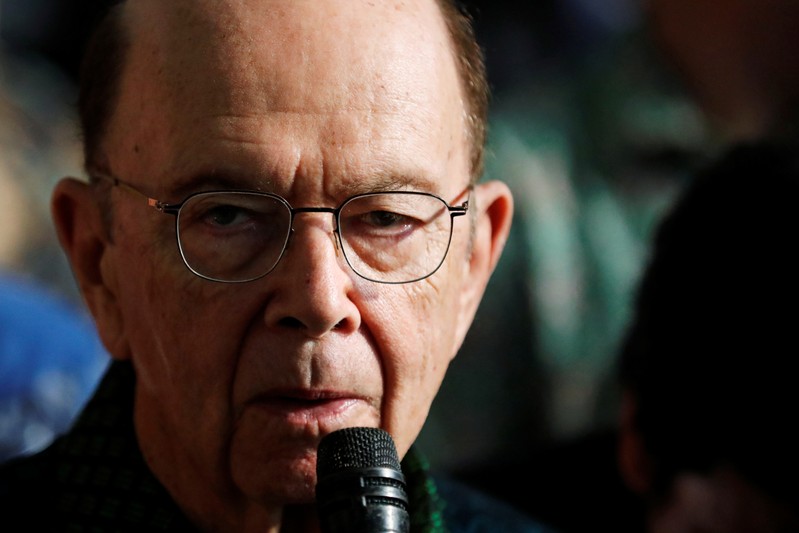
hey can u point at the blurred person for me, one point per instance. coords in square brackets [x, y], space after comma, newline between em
[612, 119]
[280, 191]
[50, 362]
[595, 136]
[706, 431]
[593, 141]
[38, 140]
[736, 59]
[50, 355]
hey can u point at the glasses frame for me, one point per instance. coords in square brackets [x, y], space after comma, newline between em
[174, 210]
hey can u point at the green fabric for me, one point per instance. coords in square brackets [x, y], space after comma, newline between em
[423, 498]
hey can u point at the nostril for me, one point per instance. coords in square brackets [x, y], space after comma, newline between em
[291, 322]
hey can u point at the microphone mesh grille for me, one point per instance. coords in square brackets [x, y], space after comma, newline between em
[358, 447]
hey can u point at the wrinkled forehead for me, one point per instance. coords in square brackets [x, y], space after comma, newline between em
[330, 54]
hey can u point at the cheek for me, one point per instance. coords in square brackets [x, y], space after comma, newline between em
[184, 346]
[181, 331]
[418, 322]
[416, 344]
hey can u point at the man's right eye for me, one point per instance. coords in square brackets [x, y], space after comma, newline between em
[225, 215]
[383, 219]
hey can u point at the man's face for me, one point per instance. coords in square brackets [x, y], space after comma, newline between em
[315, 101]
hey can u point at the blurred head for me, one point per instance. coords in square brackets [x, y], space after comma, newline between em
[705, 366]
[315, 101]
[736, 57]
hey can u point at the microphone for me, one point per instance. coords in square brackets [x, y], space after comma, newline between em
[360, 487]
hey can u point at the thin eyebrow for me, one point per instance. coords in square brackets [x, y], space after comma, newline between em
[192, 184]
[388, 182]
[351, 187]
[177, 192]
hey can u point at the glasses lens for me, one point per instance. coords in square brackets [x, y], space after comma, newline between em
[233, 236]
[395, 237]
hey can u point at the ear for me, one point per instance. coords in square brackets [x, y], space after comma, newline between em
[635, 465]
[494, 204]
[84, 237]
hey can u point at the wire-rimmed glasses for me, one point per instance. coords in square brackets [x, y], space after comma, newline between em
[239, 236]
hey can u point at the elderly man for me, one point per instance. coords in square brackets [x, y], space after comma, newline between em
[272, 247]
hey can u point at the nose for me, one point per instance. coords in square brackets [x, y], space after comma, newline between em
[312, 286]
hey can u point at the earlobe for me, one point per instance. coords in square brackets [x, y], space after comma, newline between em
[84, 238]
[494, 204]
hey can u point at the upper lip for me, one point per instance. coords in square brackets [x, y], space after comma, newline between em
[301, 394]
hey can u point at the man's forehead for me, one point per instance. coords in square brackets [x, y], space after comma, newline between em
[273, 44]
[306, 75]
[242, 24]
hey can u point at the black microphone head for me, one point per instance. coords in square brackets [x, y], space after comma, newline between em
[358, 447]
[360, 487]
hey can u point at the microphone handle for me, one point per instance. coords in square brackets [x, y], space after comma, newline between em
[363, 500]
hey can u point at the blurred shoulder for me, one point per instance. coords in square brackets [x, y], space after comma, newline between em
[469, 510]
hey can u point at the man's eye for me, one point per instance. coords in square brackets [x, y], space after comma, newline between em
[225, 215]
[384, 218]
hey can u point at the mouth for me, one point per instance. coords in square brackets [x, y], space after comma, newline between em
[302, 406]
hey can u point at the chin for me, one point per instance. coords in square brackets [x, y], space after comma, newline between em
[274, 474]
[278, 482]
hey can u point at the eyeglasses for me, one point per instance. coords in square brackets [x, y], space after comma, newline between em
[239, 236]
